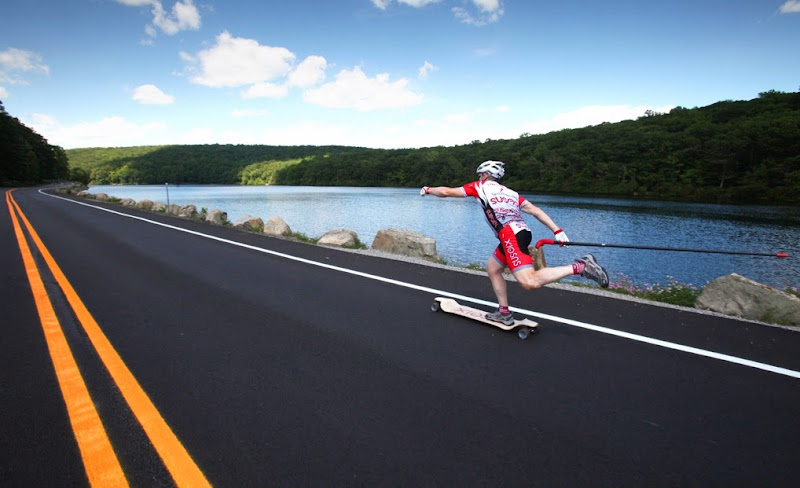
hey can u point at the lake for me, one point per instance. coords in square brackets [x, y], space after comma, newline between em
[463, 237]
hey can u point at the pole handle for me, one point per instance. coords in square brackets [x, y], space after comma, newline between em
[543, 242]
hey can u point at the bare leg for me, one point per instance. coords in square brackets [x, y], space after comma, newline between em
[495, 270]
[531, 279]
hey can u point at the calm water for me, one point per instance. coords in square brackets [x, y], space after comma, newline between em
[463, 237]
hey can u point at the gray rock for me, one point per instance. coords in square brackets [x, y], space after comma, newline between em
[738, 296]
[275, 226]
[250, 223]
[406, 243]
[158, 207]
[101, 197]
[128, 202]
[339, 238]
[146, 205]
[187, 211]
[217, 217]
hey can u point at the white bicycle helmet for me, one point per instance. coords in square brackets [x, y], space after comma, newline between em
[494, 168]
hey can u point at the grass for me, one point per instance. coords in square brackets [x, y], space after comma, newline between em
[358, 245]
[303, 238]
[673, 292]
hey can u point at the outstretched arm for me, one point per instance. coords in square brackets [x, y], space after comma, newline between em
[442, 191]
[545, 219]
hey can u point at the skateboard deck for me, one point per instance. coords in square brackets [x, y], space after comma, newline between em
[524, 327]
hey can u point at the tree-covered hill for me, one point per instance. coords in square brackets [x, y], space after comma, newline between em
[199, 164]
[729, 152]
[26, 158]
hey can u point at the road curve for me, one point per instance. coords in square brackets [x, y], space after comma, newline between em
[275, 363]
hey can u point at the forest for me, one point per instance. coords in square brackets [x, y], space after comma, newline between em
[26, 158]
[728, 152]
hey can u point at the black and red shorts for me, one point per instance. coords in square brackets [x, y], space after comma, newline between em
[513, 248]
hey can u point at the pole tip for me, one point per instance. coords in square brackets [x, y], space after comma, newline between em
[782, 255]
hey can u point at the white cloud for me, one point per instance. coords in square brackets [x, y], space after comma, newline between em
[487, 5]
[235, 61]
[478, 13]
[590, 115]
[488, 12]
[14, 61]
[184, 16]
[353, 89]
[309, 73]
[266, 90]
[426, 69]
[152, 95]
[111, 131]
[790, 7]
[309, 132]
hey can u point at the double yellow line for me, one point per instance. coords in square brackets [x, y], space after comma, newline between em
[100, 461]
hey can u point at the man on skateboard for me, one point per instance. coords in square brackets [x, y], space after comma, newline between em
[501, 208]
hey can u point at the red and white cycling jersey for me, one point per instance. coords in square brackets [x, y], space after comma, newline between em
[500, 205]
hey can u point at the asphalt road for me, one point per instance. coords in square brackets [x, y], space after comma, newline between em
[273, 371]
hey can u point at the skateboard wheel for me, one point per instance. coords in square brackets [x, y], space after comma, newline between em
[435, 306]
[523, 333]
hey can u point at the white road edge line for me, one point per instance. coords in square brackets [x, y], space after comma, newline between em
[583, 325]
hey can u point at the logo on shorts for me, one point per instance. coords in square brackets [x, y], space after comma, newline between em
[511, 253]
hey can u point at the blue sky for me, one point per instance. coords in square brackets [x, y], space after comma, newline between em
[378, 73]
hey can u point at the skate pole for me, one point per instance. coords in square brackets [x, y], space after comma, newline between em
[543, 242]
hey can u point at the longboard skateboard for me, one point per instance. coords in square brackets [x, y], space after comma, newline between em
[524, 327]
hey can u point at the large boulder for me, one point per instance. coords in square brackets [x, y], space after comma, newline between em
[158, 207]
[187, 211]
[102, 197]
[217, 217]
[275, 226]
[406, 243]
[146, 205]
[339, 238]
[128, 202]
[741, 297]
[249, 223]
